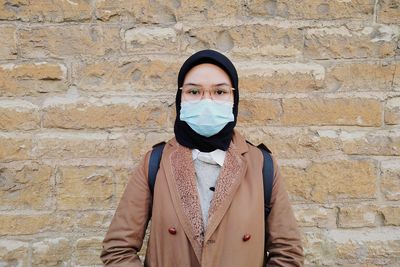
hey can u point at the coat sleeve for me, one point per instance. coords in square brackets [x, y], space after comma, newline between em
[125, 235]
[284, 242]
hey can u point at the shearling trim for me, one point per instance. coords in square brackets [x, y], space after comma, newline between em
[184, 172]
[228, 177]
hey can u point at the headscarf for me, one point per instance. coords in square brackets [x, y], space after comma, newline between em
[183, 133]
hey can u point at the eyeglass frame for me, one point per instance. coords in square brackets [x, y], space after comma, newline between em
[209, 92]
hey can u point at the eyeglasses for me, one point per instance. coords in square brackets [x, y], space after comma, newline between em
[196, 92]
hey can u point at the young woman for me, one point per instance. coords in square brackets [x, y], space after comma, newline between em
[207, 208]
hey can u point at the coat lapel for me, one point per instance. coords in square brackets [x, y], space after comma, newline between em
[185, 196]
[231, 174]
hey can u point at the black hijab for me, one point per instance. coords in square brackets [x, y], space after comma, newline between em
[185, 135]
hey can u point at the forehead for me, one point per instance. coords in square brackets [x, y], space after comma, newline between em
[206, 73]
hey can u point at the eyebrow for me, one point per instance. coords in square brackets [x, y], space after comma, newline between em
[218, 84]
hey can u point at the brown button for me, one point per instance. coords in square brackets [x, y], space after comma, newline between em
[246, 237]
[172, 230]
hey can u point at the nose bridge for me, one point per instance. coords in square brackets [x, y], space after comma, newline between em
[207, 92]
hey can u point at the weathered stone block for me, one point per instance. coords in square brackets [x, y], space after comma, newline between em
[14, 253]
[391, 215]
[371, 143]
[52, 252]
[313, 9]
[259, 112]
[332, 111]
[32, 78]
[139, 11]
[18, 115]
[357, 216]
[390, 179]
[281, 78]
[15, 147]
[88, 251]
[375, 76]
[388, 11]
[25, 187]
[141, 75]
[80, 146]
[341, 42]
[316, 217]
[107, 113]
[45, 10]
[8, 49]
[92, 220]
[294, 143]
[151, 39]
[82, 188]
[246, 41]
[20, 224]
[331, 181]
[50, 41]
[392, 111]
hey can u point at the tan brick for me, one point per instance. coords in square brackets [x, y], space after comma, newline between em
[392, 111]
[390, 179]
[358, 216]
[80, 146]
[246, 41]
[371, 143]
[140, 143]
[142, 75]
[14, 253]
[88, 251]
[82, 188]
[151, 39]
[360, 77]
[332, 111]
[8, 49]
[140, 11]
[18, 115]
[396, 78]
[331, 181]
[52, 252]
[313, 9]
[114, 112]
[25, 187]
[45, 10]
[50, 41]
[258, 112]
[366, 247]
[316, 217]
[33, 224]
[15, 147]
[207, 10]
[325, 43]
[391, 215]
[293, 77]
[32, 78]
[294, 143]
[93, 220]
[317, 250]
[165, 11]
[388, 11]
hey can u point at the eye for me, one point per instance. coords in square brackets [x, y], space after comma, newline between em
[221, 90]
[193, 90]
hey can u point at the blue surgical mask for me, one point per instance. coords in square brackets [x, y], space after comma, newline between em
[207, 117]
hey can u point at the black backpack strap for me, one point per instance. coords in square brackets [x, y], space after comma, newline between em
[154, 164]
[268, 178]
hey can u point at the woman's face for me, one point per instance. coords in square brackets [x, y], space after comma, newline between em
[209, 78]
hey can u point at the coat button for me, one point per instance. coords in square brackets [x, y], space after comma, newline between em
[246, 237]
[172, 230]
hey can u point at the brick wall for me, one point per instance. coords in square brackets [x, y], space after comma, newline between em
[86, 87]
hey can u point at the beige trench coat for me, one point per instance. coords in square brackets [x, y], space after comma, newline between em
[235, 231]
